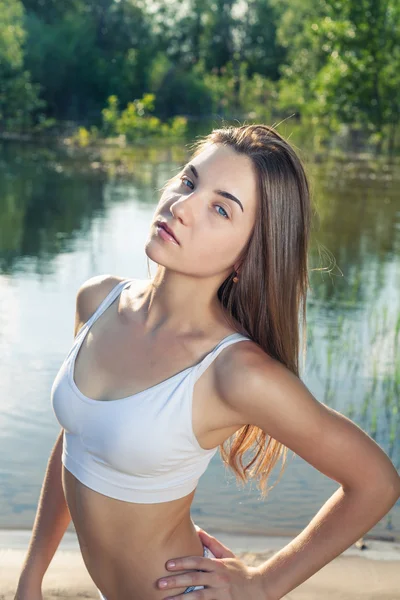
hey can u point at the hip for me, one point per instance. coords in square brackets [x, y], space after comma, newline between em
[206, 553]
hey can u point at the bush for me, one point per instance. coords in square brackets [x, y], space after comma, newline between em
[132, 123]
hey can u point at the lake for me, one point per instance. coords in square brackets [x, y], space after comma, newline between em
[64, 219]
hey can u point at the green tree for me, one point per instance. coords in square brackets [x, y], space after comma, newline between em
[360, 82]
[344, 63]
[18, 95]
[178, 29]
[84, 51]
[209, 41]
[259, 46]
[303, 57]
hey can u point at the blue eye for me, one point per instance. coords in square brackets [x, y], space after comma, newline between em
[183, 180]
[225, 214]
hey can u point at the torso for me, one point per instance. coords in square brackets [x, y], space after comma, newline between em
[125, 545]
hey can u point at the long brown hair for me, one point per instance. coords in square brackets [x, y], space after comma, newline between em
[269, 299]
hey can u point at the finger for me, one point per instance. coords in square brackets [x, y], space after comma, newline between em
[217, 548]
[190, 562]
[208, 539]
[184, 580]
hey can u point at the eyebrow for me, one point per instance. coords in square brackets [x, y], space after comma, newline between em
[219, 192]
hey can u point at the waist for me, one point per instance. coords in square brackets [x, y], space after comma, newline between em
[105, 518]
[129, 566]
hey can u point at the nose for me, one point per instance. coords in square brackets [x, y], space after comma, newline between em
[182, 209]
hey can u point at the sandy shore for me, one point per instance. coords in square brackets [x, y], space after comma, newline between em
[370, 574]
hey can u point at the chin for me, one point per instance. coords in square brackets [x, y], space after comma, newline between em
[155, 252]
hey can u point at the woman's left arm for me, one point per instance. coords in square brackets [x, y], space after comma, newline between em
[268, 395]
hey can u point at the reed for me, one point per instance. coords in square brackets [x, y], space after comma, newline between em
[356, 359]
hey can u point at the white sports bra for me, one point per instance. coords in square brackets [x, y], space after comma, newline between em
[141, 448]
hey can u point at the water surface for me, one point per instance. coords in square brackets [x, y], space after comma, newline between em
[61, 223]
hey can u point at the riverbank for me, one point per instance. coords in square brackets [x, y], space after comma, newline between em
[368, 574]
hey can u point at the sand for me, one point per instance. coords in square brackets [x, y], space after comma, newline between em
[369, 574]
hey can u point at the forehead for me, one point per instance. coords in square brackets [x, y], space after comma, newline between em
[222, 167]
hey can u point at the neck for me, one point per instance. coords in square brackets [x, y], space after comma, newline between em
[181, 303]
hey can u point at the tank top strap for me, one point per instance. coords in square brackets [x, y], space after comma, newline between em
[105, 303]
[208, 359]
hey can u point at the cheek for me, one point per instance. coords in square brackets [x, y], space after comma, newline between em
[167, 198]
[217, 250]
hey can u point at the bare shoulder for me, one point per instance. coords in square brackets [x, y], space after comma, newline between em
[90, 295]
[265, 393]
[237, 368]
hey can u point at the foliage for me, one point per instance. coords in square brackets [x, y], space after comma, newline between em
[133, 123]
[180, 92]
[335, 64]
[18, 95]
[351, 54]
[85, 51]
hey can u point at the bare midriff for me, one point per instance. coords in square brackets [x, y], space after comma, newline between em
[125, 545]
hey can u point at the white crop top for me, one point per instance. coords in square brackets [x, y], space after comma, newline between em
[141, 448]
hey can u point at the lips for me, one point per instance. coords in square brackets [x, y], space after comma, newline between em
[167, 229]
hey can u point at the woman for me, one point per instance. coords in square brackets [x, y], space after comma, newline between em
[156, 381]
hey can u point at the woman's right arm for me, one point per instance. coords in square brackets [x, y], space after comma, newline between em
[53, 516]
[51, 521]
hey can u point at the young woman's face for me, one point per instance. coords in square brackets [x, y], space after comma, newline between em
[210, 228]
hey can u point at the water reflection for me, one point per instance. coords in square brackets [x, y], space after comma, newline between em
[44, 205]
[65, 218]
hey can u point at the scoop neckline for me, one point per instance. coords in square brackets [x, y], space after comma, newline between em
[89, 400]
